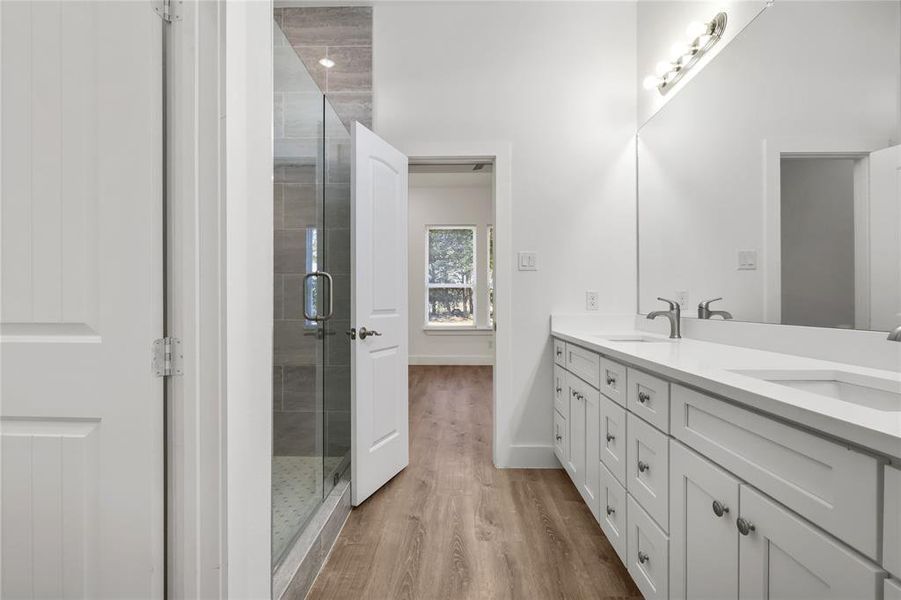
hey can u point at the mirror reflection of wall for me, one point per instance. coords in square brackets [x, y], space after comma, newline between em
[772, 177]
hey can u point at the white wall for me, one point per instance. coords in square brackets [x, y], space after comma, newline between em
[702, 180]
[449, 199]
[557, 81]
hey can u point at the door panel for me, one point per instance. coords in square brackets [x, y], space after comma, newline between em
[613, 438]
[379, 425]
[81, 426]
[785, 557]
[703, 538]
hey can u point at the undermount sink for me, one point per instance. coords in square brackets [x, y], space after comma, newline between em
[862, 390]
[633, 337]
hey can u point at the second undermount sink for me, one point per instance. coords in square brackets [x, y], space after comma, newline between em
[632, 337]
[863, 390]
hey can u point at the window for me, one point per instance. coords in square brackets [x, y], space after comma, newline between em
[490, 278]
[450, 276]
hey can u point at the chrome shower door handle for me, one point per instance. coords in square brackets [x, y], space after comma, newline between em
[331, 299]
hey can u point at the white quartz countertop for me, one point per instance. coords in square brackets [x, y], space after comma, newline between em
[709, 367]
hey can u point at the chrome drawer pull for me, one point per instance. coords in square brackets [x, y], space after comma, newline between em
[643, 466]
[611, 380]
[610, 510]
[643, 397]
[719, 509]
[642, 557]
[610, 437]
[744, 526]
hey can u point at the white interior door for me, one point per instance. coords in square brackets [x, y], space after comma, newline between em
[885, 239]
[379, 424]
[81, 419]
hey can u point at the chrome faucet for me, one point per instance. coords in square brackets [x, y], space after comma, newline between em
[704, 311]
[895, 334]
[674, 314]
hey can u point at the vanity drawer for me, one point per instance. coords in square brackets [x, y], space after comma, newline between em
[613, 512]
[648, 549]
[584, 363]
[891, 535]
[560, 437]
[561, 400]
[613, 440]
[648, 397]
[647, 468]
[834, 487]
[613, 381]
[560, 352]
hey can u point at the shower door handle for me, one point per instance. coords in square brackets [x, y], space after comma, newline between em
[331, 300]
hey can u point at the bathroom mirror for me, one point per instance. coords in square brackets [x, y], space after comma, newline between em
[771, 178]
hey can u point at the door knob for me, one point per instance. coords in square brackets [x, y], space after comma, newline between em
[365, 333]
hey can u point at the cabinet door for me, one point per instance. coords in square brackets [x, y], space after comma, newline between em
[648, 552]
[613, 438]
[560, 437]
[647, 472]
[575, 438]
[589, 485]
[561, 399]
[612, 510]
[703, 537]
[783, 556]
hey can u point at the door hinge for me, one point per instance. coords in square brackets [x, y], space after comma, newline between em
[167, 357]
[168, 10]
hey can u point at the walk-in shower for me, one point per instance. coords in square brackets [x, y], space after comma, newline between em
[311, 376]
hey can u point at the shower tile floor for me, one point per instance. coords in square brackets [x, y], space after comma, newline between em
[296, 492]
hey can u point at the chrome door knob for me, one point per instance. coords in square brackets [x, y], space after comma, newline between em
[643, 466]
[365, 333]
[719, 509]
[744, 526]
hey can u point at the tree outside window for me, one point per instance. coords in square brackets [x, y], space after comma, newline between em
[450, 276]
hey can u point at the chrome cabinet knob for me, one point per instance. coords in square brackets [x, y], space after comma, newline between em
[643, 466]
[719, 509]
[559, 389]
[610, 510]
[642, 557]
[559, 352]
[744, 526]
[610, 437]
[559, 437]
[611, 380]
[365, 333]
[643, 397]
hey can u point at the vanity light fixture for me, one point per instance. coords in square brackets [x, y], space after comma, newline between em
[703, 36]
[327, 63]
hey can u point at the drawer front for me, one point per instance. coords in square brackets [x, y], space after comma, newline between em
[648, 549]
[827, 483]
[560, 352]
[648, 397]
[891, 536]
[584, 363]
[613, 381]
[647, 468]
[560, 437]
[613, 441]
[892, 589]
[561, 402]
[613, 512]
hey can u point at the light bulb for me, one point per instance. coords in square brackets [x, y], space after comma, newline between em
[650, 82]
[703, 40]
[695, 29]
[677, 50]
[327, 63]
[663, 68]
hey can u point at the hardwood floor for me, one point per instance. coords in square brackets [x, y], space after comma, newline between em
[453, 526]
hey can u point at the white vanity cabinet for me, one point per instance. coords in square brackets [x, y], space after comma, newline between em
[703, 536]
[782, 556]
[702, 497]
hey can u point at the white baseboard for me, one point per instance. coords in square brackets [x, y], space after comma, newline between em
[452, 360]
[529, 457]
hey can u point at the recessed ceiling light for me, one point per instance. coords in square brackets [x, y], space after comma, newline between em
[327, 63]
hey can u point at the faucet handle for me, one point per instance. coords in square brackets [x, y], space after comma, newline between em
[673, 305]
[706, 303]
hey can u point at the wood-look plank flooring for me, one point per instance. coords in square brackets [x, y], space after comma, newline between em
[452, 526]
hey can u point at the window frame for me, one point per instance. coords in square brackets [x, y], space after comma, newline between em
[472, 286]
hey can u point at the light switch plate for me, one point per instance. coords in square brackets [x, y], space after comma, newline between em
[528, 261]
[592, 302]
[747, 260]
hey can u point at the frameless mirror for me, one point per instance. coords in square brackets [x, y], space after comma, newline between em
[772, 177]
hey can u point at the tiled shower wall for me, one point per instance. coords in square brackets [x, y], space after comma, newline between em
[343, 34]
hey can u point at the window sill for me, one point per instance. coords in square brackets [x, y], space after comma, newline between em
[458, 330]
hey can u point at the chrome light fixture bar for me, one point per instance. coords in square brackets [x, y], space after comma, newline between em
[705, 36]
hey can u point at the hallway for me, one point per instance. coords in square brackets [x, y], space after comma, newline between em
[453, 526]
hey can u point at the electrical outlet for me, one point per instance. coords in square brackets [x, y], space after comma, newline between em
[591, 301]
[682, 298]
[528, 261]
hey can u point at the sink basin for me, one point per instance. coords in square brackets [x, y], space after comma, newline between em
[633, 337]
[873, 392]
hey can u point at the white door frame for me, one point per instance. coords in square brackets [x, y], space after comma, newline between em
[773, 150]
[501, 154]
